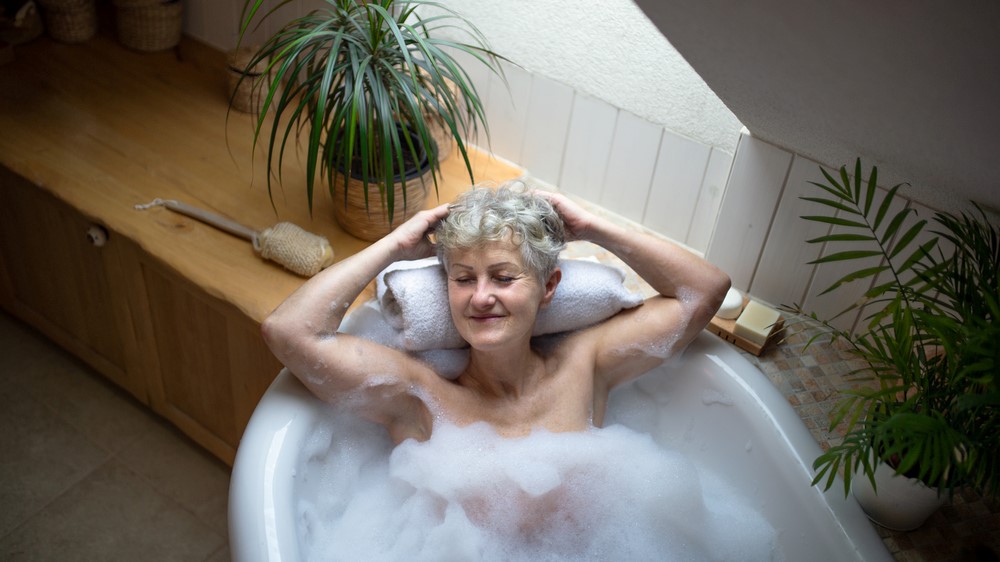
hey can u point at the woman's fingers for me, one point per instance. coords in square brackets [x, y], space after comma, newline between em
[574, 217]
[412, 236]
[440, 212]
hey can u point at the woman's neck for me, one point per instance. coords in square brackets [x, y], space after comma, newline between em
[503, 373]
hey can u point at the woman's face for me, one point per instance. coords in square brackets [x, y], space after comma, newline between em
[494, 298]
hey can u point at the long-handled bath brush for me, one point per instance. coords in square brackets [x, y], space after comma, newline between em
[299, 251]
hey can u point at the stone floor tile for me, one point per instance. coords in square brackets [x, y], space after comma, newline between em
[112, 515]
[41, 456]
[104, 413]
[179, 469]
[221, 555]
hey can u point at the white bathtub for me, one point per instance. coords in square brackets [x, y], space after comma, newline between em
[718, 409]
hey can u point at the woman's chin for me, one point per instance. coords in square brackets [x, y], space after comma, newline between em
[485, 340]
[484, 343]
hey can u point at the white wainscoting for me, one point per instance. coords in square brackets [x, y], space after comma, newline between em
[760, 238]
[600, 153]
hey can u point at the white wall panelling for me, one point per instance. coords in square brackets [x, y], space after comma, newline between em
[713, 186]
[545, 129]
[755, 184]
[760, 239]
[783, 275]
[506, 111]
[630, 166]
[588, 143]
[677, 182]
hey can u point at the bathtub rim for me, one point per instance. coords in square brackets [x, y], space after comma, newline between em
[256, 534]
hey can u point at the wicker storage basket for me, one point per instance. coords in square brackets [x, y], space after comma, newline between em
[373, 223]
[149, 25]
[70, 21]
[247, 95]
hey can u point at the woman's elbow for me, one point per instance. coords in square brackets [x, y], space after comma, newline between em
[712, 295]
[277, 334]
[719, 288]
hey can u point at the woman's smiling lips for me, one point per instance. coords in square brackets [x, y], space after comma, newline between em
[485, 317]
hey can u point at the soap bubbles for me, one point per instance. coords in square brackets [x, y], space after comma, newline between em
[469, 494]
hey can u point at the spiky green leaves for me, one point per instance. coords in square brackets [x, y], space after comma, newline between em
[360, 85]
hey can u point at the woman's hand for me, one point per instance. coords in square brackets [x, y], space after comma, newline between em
[411, 237]
[578, 221]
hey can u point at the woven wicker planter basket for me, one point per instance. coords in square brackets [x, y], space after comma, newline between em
[373, 223]
[70, 21]
[247, 95]
[149, 25]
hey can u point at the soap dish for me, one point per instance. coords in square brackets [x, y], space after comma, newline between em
[726, 329]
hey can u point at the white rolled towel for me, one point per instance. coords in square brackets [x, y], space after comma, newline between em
[368, 322]
[414, 300]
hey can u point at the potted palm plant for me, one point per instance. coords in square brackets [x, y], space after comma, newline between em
[930, 346]
[370, 84]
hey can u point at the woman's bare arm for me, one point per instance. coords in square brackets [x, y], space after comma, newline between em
[690, 292]
[303, 332]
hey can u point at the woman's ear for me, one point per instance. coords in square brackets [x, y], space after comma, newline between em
[550, 286]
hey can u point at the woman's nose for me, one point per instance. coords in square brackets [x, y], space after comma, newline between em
[483, 296]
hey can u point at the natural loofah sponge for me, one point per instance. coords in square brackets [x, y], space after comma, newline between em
[299, 251]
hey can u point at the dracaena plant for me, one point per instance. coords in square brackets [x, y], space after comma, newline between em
[928, 338]
[364, 81]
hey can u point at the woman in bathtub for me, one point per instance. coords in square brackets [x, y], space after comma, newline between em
[499, 249]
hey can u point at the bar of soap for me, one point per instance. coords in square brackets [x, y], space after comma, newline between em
[731, 305]
[756, 322]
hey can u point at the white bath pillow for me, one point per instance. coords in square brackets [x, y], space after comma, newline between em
[414, 299]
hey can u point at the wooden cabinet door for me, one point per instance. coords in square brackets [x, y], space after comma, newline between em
[212, 364]
[53, 277]
[194, 358]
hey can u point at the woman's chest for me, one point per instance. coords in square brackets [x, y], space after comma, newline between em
[564, 401]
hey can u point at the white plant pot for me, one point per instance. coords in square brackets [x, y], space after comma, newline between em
[901, 504]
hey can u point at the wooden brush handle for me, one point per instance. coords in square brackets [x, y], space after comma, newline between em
[220, 222]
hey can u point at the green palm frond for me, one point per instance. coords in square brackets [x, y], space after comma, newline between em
[862, 218]
[931, 349]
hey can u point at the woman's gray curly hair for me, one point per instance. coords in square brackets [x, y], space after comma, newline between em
[509, 212]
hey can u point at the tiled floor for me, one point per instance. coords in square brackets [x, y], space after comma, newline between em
[87, 473]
